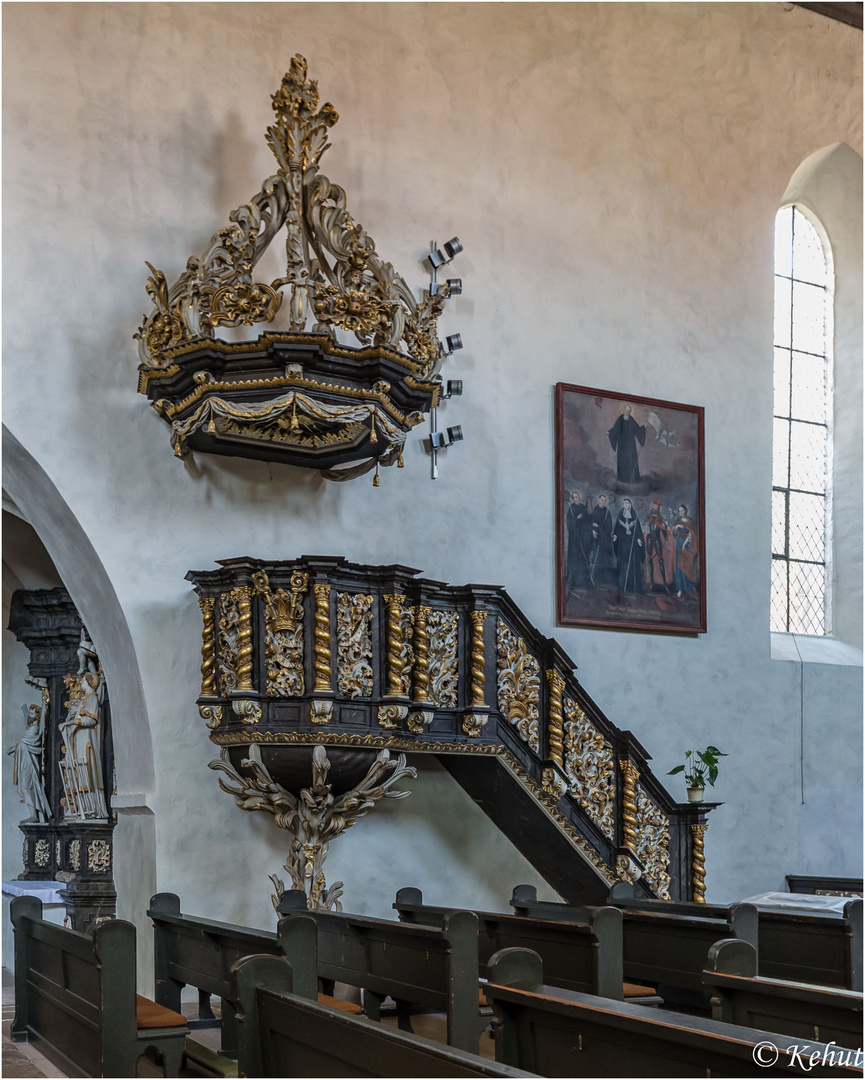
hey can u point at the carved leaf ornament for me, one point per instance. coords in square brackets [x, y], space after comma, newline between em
[519, 684]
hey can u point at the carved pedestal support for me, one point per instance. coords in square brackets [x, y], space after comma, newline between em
[698, 864]
[315, 816]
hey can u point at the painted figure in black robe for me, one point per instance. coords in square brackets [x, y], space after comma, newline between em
[603, 557]
[578, 524]
[624, 436]
[630, 550]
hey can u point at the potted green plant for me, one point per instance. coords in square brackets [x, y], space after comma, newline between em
[700, 768]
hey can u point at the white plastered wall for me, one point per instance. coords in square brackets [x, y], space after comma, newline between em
[613, 171]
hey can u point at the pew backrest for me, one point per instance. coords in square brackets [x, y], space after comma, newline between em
[664, 943]
[814, 947]
[584, 955]
[286, 1035]
[740, 996]
[435, 967]
[76, 993]
[555, 1032]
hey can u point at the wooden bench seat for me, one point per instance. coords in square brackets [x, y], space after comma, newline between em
[286, 1035]
[664, 943]
[75, 998]
[555, 1032]
[433, 968]
[808, 1011]
[582, 954]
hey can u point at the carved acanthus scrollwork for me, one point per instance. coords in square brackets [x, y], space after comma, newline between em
[315, 817]
[331, 261]
[442, 628]
[591, 767]
[354, 644]
[519, 684]
[653, 843]
[211, 715]
[283, 619]
[229, 625]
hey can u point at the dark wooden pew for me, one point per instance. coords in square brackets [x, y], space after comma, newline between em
[801, 1010]
[824, 886]
[665, 943]
[822, 947]
[555, 1032]
[436, 968]
[815, 947]
[75, 998]
[583, 954]
[287, 1035]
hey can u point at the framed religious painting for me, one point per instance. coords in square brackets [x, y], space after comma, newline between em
[630, 514]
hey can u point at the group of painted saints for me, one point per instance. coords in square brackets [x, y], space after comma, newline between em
[617, 550]
[81, 755]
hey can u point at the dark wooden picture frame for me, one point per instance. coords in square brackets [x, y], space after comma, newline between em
[631, 553]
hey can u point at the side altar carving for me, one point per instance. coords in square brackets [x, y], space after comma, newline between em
[315, 671]
[62, 762]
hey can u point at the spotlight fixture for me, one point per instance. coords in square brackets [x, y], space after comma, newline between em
[455, 284]
[438, 440]
[453, 342]
[454, 388]
[437, 258]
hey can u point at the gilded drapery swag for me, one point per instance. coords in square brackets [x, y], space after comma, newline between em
[334, 278]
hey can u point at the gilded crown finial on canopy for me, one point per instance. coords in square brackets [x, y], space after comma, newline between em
[328, 406]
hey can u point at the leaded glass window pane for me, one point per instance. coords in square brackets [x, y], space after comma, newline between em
[800, 447]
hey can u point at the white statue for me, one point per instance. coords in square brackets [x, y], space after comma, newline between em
[81, 764]
[26, 767]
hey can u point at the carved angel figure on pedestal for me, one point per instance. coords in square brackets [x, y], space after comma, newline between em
[81, 764]
[26, 767]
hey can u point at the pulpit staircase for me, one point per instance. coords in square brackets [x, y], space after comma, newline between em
[320, 651]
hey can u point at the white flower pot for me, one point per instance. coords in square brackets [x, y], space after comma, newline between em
[695, 794]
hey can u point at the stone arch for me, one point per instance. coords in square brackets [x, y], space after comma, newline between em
[86, 580]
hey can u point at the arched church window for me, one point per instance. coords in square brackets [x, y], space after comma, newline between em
[801, 445]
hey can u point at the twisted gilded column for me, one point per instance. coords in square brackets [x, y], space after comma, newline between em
[555, 730]
[244, 638]
[477, 673]
[323, 653]
[208, 648]
[629, 803]
[394, 603]
[421, 657]
[698, 864]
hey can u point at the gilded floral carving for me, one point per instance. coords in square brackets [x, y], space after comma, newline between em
[443, 671]
[653, 843]
[229, 628]
[354, 644]
[591, 767]
[519, 684]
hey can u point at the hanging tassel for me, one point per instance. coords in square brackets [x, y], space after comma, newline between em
[375, 480]
[373, 438]
[399, 462]
[211, 427]
[295, 426]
